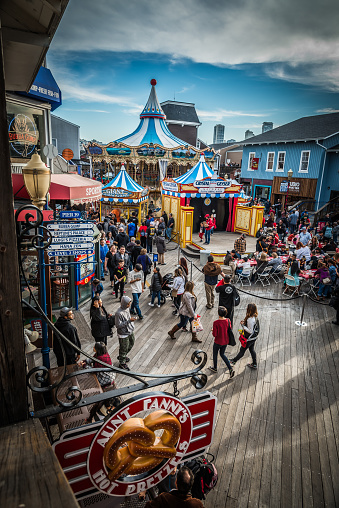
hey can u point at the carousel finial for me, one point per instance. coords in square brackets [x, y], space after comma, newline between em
[153, 82]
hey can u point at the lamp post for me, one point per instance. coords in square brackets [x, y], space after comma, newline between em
[37, 179]
[289, 177]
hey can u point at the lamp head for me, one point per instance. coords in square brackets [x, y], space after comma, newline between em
[289, 174]
[37, 179]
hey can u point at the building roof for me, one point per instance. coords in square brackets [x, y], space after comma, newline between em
[180, 112]
[198, 172]
[219, 146]
[306, 128]
[152, 128]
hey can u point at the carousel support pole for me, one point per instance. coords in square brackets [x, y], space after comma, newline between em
[100, 210]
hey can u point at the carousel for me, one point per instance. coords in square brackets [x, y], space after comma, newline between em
[205, 193]
[123, 196]
[151, 152]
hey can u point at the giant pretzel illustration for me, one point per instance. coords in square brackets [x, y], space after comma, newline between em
[134, 448]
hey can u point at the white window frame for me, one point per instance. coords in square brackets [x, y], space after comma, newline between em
[249, 161]
[308, 161]
[283, 169]
[268, 154]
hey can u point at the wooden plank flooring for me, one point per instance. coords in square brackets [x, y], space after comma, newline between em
[277, 430]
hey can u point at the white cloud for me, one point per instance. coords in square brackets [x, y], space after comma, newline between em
[83, 110]
[327, 110]
[219, 114]
[299, 34]
[76, 92]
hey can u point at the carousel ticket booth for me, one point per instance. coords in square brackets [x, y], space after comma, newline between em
[123, 196]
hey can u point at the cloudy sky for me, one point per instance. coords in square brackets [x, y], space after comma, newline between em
[241, 63]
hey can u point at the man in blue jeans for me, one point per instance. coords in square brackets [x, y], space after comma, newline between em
[170, 226]
[103, 252]
[137, 287]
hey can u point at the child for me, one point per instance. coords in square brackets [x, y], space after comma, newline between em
[97, 288]
[250, 332]
[221, 338]
[201, 231]
[156, 284]
[120, 273]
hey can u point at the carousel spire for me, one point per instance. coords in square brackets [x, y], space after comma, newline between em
[153, 108]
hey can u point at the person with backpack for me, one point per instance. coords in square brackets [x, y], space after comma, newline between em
[109, 263]
[125, 328]
[223, 335]
[150, 235]
[179, 497]
[146, 263]
[120, 277]
[250, 334]
[156, 284]
[327, 231]
[228, 296]
[211, 272]
[100, 327]
[161, 248]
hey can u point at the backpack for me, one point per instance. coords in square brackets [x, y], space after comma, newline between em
[131, 229]
[328, 233]
[151, 231]
[236, 298]
[205, 476]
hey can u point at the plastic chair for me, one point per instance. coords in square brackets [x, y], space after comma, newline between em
[264, 276]
[290, 285]
[276, 274]
[245, 276]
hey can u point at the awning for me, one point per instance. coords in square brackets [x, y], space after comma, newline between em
[63, 187]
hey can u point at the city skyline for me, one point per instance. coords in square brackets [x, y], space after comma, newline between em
[291, 69]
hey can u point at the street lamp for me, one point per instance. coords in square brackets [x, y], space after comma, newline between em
[289, 177]
[37, 179]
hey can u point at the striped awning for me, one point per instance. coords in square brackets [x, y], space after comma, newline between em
[198, 172]
[123, 181]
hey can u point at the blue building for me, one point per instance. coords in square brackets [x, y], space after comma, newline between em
[309, 146]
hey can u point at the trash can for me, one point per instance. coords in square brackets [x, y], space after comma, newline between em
[203, 256]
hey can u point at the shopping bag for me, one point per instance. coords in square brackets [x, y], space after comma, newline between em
[196, 325]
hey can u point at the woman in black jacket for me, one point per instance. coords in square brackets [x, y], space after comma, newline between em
[156, 285]
[99, 321]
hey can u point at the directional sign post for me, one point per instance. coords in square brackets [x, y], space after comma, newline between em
[70, 238]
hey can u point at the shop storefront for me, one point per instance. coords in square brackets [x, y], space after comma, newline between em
[299, 189]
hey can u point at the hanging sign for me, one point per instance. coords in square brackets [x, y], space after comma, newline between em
[74, 252]
[65, 226]
[123, 456]
[212, 186]
[255, 163]
[70, 214]
[23, 134]
[117, 193]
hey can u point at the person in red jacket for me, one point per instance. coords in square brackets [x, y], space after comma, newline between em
[143, 235]
[220, 333]
[208, 224]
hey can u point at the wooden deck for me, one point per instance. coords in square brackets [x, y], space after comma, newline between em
[277, 433]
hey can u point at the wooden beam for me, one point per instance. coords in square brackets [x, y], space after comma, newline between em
[30, 472]
[13, 392]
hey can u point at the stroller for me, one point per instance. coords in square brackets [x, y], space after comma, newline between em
[165, 289]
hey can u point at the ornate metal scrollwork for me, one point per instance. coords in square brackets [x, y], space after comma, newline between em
[38, 240]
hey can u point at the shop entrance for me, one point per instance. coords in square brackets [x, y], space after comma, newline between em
[203, 206]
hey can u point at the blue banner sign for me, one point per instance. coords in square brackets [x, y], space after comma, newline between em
[70, 214]
[155, 258]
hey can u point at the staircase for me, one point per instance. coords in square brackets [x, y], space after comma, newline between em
[331, 207]
[191, 251]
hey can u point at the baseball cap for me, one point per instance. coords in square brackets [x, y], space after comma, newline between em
[64, 311]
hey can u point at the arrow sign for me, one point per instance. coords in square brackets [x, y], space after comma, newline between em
[68, 246]
[53, 253]
[74, 239]
[69, 225]
[67, 234]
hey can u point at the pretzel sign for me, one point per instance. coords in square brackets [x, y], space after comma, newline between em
[143, 450]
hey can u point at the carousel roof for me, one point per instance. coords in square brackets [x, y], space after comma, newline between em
[124, 181]
[198, 172]
[152, 127]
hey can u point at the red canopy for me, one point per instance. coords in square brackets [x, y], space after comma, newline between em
[63, 187]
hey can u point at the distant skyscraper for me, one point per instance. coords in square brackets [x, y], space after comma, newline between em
[249, 134]
[219, 133]
[267, 126]
[231, 141]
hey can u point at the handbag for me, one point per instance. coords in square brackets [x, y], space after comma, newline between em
[196, 325]
[111, 321]
[327, 280]
[174, 293]
[231, 338]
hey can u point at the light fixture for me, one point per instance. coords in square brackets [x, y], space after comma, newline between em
[37, 179]
[289, 174]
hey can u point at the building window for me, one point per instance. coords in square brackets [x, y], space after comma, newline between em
[250, 159]
[281, 161]
[304, 160]
[270, 161]
[55, 142]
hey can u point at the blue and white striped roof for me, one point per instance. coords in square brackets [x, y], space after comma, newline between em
[124, 181]
[198, 172]
[152, 127]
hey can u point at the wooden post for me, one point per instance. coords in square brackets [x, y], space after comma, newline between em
[13, 392]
